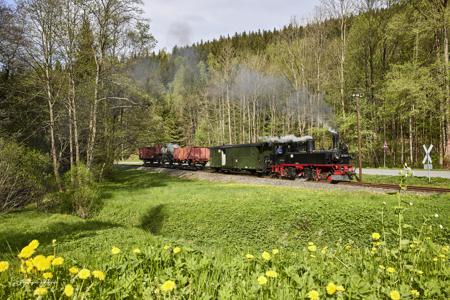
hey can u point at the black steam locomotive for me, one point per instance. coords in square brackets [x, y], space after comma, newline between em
[289, 157]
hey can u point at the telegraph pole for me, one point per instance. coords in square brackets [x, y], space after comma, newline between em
[358, 128]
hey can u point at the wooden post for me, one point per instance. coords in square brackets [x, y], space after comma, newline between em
[358, 125]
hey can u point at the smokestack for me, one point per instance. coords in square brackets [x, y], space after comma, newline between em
[335, 137]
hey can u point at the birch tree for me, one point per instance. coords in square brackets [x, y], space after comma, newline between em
[41, 17]
[341, 10]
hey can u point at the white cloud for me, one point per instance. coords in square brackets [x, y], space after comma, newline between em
[184, 22]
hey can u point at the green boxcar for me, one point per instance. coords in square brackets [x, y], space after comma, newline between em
[251, 157]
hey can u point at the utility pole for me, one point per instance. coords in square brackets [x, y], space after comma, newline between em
[358, 128]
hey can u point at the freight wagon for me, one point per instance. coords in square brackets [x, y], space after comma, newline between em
[192, 156]
[171, 155]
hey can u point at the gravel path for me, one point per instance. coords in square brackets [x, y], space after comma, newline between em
[247, 179]
[418, 173]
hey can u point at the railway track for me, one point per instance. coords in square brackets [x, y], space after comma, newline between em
[423, 189]
[385, 186]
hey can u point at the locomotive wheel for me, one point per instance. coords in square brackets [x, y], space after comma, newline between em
[308, 174]
[291, 173]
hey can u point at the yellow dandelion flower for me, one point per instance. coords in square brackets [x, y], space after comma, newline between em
[73, 270]
[395, 295]
[47, 275]
[34, 244]
[166, 247]
[348, 247]
[115, 250]
[331, 288]
[391, 270]
[415, 293]
[376, 236]
[26, 252]
[249, 256]
[58, 261]
[84, 274]
[271, 274]
[340, 288]
[99, 275]
[313, 295]
[266, 256]
[68, 290]
[50, 258]
[275, 251]
[41, 263]
[137, 251]
[29, 265]
[168, 286]
[176, 250]
[4, 265]
[435, 259]
[312, 247]
[40, 291]
[262, 280]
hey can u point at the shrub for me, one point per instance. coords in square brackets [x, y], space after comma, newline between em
[23, 175]
[81, 196]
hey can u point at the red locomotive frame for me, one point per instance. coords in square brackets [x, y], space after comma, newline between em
[330, 172]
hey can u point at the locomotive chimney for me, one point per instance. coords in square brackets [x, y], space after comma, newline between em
[335, 136]
[310, 145]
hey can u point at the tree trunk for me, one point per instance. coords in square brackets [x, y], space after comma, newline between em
[411, 157]
[342, 75]
[93, 115]
[75, 123]
[229, 114]
[447, 89]
[402, 156]
[69, 106]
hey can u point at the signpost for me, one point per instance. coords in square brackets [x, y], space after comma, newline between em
[427, 162]
[385, 148]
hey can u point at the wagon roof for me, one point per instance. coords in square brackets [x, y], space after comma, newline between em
[241, 145]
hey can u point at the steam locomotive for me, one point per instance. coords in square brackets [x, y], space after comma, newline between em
[289, 157]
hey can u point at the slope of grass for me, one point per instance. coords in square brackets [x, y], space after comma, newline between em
[189, 239]
[142, 207]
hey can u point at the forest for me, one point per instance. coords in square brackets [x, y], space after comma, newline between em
[81, 85]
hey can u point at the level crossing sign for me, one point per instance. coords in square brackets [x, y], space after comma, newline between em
[427, 162]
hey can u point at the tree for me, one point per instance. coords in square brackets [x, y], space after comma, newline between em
[341, 9]
[41, 18]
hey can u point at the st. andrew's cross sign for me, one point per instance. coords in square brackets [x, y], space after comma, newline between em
[427, 158]
[427, 162]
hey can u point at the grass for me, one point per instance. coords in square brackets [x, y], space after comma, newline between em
[217, 224]
[417, 181]
[140, 207]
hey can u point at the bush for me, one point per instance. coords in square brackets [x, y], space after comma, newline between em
[23, 175]
[81, 196]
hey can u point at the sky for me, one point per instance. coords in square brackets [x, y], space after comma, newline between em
[181, 22]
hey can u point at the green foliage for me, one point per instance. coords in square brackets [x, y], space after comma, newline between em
[24, 175]
[81, 196]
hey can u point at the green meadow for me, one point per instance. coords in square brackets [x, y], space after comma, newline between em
[215, 225]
